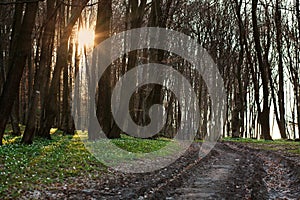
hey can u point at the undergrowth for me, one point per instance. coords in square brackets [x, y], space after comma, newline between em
[51, 162]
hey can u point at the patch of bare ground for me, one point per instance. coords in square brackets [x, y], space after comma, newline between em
[282, 178]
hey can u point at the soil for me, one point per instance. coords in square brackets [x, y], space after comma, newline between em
[229, 171]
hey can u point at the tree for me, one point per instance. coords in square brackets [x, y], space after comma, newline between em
[50, 103]
[255, 49]
[239, 109]
[21, 45]
[281, 117]
[264, 115]
[103, 110]
[40, 78]
[134, 15]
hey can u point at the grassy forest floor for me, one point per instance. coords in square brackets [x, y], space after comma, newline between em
[280, 146]
[55, 163]
[63, 167]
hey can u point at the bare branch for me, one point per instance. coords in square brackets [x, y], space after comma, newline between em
[20, 2]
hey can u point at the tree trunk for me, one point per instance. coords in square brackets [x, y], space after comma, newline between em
[68, 126]
[136, 14]
[14, 118]
[77, 106]
[103, 111]
[297, 93]
[2, 66]
[281, 101]
[238, 112]
[264, 116]
[39, 86]
[50, 103]
[17, 64]
[298, 15]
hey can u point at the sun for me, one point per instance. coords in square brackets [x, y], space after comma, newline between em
[86, 37]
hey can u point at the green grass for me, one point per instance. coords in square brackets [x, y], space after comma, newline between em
[24, 167]
[245, 140]
[126, 149]
[137, 145]
[51, 162]
[295, 151]
[261, 141]
[283, 146]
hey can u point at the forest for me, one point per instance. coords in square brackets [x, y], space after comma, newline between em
[45, 67]
[254, 44]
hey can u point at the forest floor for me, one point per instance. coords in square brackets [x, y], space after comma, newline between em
[232, 170]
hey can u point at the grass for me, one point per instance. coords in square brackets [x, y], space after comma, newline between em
[261, 141]
[276, 145]
[126, 149]
[46, 163]
[137, 145]
[24, 167]
[51, 162]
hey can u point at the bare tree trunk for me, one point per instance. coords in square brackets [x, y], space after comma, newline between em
[40, 75]
[298, 15]
[17, 64]
[51, 100]
[135, 16]
[14, 118]
[2, 66]
[238, 112]
[264, 116]
[103, 110]
[297, 92]
[281, 101]
[68, 126]
[77, 106]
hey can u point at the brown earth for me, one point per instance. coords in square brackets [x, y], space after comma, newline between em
[229, 171]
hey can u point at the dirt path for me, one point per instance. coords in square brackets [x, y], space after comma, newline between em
[239, 172]
[282, 178]
[230, 171]
[228, 174]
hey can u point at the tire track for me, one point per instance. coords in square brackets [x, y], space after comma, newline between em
[281, 180]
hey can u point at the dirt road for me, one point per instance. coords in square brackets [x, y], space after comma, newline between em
[238, 172]
[230, 171]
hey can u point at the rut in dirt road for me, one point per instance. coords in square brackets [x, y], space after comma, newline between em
[209, 181]
[228, 174]
[238, 172]
[229, 171]
[282, 174]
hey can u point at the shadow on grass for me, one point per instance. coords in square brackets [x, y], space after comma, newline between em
[43, 164]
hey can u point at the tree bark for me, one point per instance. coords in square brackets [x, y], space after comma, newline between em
[39, 86]
[103, 111]
[135, 14]
[68, 126]
[297, 86]
[17, 64]
[238, 111]
[264, 116]
[51, 100]
[281, 118]
[14, 118]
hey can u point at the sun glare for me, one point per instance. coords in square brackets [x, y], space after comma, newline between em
[86, 37]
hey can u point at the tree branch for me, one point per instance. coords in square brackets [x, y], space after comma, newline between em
[20, 2]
